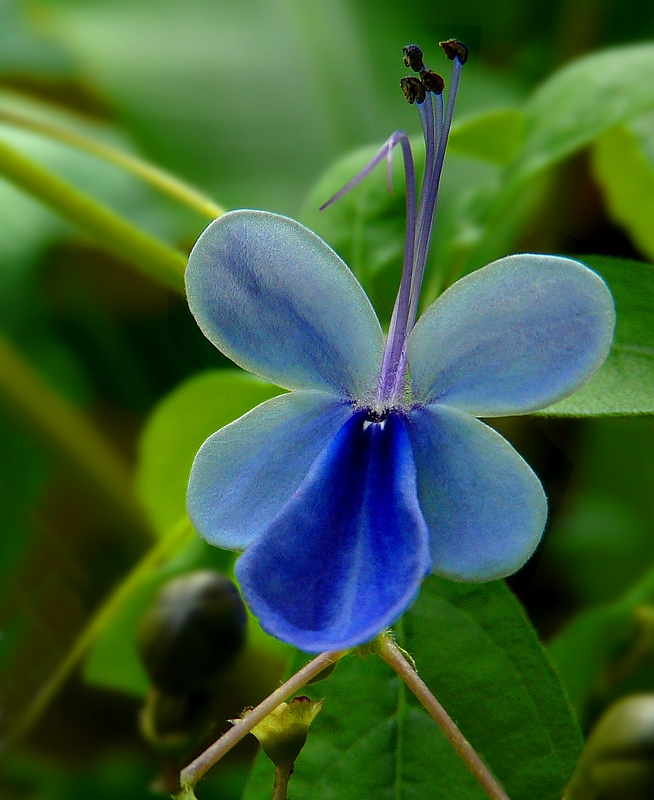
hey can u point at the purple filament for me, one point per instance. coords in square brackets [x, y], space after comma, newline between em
[436, 121]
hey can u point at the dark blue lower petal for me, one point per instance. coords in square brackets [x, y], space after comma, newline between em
[346, 555]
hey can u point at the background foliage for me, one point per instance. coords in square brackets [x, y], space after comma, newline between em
[107, 387]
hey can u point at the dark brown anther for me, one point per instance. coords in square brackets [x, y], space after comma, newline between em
[453, 48]
[432, 81]
[414, 91]
[413, 57]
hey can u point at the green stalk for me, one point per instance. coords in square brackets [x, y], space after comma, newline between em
[74, 435]
[159, 179]
[105, 226]
[156, 556]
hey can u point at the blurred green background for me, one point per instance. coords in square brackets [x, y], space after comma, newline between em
[251, 102]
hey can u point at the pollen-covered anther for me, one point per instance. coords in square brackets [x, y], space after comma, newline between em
[413, 57]
[432, 81]
[414, 90]
[453, 48]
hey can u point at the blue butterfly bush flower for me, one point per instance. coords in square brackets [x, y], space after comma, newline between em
[374, 470]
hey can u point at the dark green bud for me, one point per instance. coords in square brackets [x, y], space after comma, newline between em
[174, 724]
[192, 633]
[617, 762]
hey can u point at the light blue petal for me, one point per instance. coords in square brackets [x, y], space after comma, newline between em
[272, 296]
[346, 556]
[485, 508]
[513, 337]
[245, 473]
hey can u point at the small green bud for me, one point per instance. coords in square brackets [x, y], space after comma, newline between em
[192, 632]
[617, 762]
[283, 733]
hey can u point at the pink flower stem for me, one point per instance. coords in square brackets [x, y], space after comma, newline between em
[393, 656]
[191, 774]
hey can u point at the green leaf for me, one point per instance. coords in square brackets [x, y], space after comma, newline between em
[582, 101]
[625, 383]
[113, 661]
[492, 135]
[623, 165]
[177, 428]
[475, 649]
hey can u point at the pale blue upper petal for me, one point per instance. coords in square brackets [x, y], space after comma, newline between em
[272, 296]
[245, 473]
[484, 507]
[513, 337]
[347, 554]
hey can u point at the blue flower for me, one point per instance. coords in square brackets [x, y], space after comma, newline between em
[373, 470]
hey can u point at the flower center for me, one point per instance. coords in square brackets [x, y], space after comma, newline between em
[426, 92]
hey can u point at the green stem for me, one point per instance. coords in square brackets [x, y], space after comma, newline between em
[280, 787]
[393, 656]
[158, 178]
[158, 555]
[72, 434]
[105, 226]
[203, 763]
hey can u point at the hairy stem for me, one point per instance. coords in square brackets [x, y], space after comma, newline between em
[202, 764]
[393, 656]
[109, 229]
[156, 556]
[280, 787]
[159, 179]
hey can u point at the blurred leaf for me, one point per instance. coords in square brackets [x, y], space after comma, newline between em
[625, 383]
[214, 399]
[477, 652]
[582, 101]
[366, 227]
[598, 544]
[177, 428]
[493, 135]
[177, 73]
[113, 661]
[623, 164]
[604, 646]
[27, 227]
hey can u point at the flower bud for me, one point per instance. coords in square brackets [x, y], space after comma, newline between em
[174, 724]
[283, 732]
[617, 762]
[192, 632]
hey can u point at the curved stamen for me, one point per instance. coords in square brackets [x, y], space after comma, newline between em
[396, 333]
[393, 352]
[384, 152]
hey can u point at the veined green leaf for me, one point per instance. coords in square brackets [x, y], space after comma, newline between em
[475, 649]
